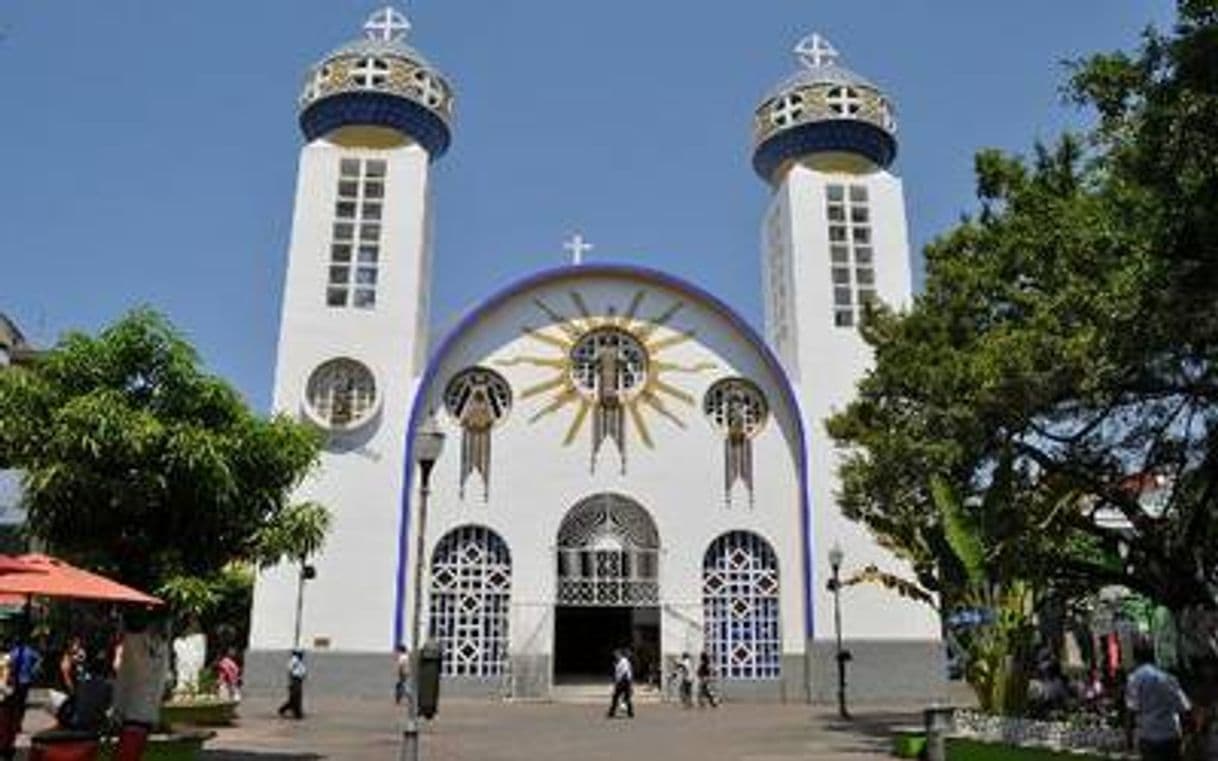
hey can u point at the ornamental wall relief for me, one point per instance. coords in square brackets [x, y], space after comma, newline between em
[478, 398]
[738, 409]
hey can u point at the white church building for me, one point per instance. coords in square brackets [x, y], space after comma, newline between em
[628, 461]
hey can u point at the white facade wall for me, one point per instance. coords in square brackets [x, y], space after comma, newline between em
[350, 603]
[826, 362]
[535, 479]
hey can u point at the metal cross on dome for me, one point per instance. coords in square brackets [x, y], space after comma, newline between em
[387, 24]
[578, 247]
[815, 51]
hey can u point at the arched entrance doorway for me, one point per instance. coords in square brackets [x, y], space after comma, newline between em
[608, 591]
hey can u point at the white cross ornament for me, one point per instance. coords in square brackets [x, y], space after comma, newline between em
[844, 101]
[578, 247]
[815, 51]
[787, 110]
[387, 25]
[370, 72]
[430, 90]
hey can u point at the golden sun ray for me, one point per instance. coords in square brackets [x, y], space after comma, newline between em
[654, 324]
[564, 323]
[560, 362]
[561, 400]
[544, 386]
[654, 402]
[577, 298]
[640, 424]
[664, 343]
[561, 343]
[673, 391]
[674, 367]
[635, 303]
[577, 422]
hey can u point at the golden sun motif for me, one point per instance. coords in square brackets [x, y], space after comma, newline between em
[609, 365]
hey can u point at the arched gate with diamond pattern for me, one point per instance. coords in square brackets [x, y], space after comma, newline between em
[471, 582]
[740, 605]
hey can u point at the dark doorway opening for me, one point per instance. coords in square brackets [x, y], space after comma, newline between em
[585, 638]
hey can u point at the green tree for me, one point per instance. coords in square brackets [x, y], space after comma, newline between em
[1065, 351]
[139, 464]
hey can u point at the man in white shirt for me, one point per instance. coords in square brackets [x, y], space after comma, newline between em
[623, 684]
[1156, 703]
[297, 671]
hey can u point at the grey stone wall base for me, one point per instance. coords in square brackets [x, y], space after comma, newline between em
[880, 671]
[359, 675]
[530, 678]
[474, 687]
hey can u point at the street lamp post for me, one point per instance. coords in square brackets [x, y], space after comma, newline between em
[307, 573]
[836, 556]
[427, 445]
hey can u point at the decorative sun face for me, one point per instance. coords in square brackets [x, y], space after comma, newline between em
[608, 363]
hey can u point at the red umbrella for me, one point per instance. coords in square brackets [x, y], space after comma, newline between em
[9, 564]
[46, 576]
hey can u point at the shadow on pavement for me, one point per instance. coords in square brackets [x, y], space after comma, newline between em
[248, 755]
[875, 729]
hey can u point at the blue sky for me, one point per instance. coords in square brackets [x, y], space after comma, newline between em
[148, 148]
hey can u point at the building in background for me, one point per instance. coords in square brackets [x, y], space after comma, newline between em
[14, 351]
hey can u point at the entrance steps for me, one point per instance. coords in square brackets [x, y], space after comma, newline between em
[599, 692]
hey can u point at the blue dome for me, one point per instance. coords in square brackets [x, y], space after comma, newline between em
[822, 108]
[379, 81]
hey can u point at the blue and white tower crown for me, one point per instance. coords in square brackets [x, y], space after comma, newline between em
[379, 81]
[823, 108]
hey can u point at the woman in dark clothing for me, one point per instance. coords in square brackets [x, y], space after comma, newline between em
[706, 682]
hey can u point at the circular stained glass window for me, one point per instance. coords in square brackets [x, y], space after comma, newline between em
[609, 362]
[736, 405]
[341, 394]
[478, 396]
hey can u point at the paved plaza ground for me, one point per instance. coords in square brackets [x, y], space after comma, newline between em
[501, 731]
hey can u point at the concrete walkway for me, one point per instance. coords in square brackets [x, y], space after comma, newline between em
[496, 731]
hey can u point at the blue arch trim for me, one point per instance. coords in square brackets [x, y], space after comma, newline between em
[473, 317]
[841, 135]
[377, 110]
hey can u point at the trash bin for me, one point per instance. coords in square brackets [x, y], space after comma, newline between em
[429, 679]
[64, 745]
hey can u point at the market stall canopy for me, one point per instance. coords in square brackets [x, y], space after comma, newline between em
[45, 576]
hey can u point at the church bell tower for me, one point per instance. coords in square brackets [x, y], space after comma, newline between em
[375, 115]
[833, 240]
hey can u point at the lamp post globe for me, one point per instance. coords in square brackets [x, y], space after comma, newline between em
[836, 556]
[428, 443]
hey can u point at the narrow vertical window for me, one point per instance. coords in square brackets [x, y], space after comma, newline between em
[851, 252]
[357, 226]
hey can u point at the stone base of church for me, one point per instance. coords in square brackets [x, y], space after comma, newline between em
[361, 675]
[897, 671]
[894, 671]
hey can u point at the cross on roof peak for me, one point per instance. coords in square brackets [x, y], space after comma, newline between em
[387, 24]
[578, 247]
[816, 51]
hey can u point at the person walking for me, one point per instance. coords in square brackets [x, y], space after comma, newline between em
[623, 685]
[24, 664]
[1156, 704]
[401, 688]
[685, 680]
[296, 677]
[706, 682]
